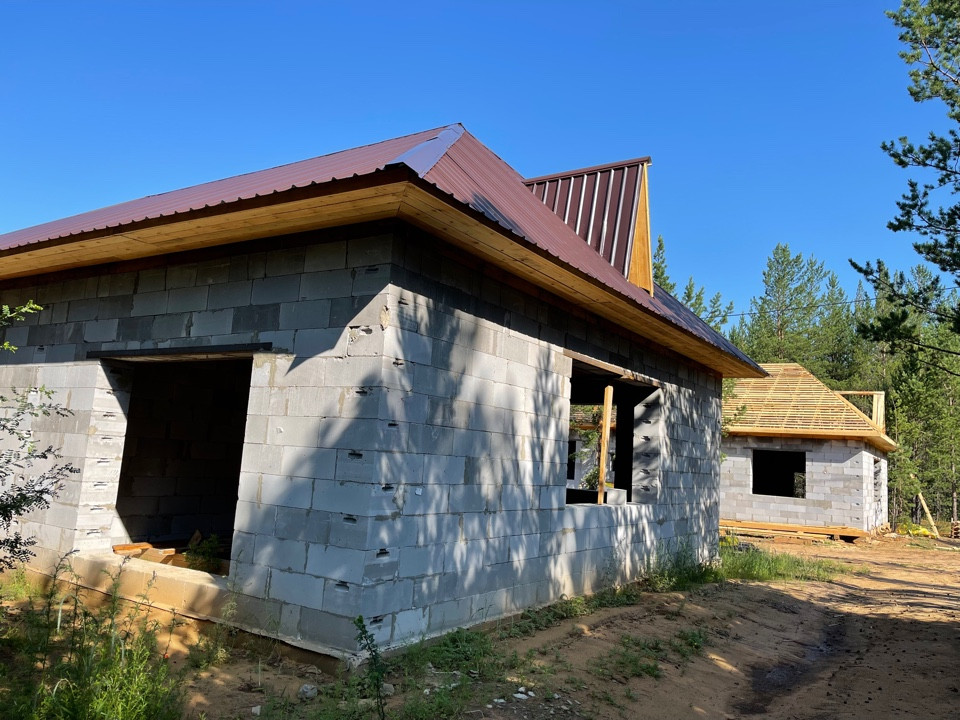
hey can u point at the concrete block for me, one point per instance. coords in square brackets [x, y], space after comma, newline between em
[326, 284]
[100, 330]
[419, 561]
[229, 295]
[280, 490]
[321, 342]
[293, 431]
[149, 303]
[408, 346]
[325, 256]
[272, 290]
[336, 563]
[253, 518]
[447, 469]
[308, 462]
[312, 526]
[324, 627]
[425, 500]
[250, 579]
[305, 314]
[277, 553]
[358, 311]
[187, 299]
[212, 322]
[256, 318]
[297, 588]
[449, 615]
[288, 261]
[410, 625]
[181, 276]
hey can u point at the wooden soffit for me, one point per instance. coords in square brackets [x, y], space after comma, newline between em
[879, 441]
[393, 193]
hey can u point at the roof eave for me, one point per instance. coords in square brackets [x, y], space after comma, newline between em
[879, 441]
[377, 195]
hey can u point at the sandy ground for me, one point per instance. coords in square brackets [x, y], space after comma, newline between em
[882, 644]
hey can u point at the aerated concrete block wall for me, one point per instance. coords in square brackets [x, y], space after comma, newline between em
[845, 484]
[406, 434]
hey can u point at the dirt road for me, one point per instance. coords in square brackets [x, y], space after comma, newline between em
[880, 643]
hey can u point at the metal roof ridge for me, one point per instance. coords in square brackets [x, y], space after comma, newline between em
[421, 158]
[593, 168]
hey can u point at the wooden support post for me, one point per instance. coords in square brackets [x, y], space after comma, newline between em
[879, 409]
[936, 533]
[604, 442]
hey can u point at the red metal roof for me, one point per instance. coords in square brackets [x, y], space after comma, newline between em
[599, 204]
[337, 166]
[449, 158]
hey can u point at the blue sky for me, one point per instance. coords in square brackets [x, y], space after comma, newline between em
[763, 119]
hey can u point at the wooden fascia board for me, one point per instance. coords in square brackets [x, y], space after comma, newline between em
[396, 192]
[881, 442]
[352, 200]
[426, 207]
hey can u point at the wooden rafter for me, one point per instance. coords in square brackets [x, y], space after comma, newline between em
[791, 402]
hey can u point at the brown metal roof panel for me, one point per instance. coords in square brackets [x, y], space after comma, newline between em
[474, 175]
[339, 165]
[602, 206]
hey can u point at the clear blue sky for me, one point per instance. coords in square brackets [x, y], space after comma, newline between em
[763, 119]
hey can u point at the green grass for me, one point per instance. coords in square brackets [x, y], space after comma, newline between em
[755, 564]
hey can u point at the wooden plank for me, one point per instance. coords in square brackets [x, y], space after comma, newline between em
[131, 548]
[158, 554]
[840, 530]
[604, 442]
[933, 525]
[613, 369]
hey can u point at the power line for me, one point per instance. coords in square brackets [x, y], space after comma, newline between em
[826, 305]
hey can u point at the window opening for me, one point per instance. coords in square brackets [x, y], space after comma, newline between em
[180, 472]
[632, 473]
[781, 473]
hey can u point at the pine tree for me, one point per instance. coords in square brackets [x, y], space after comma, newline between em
[930, 30]
[784, 318]
[660, 275]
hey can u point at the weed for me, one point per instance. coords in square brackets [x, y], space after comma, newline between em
[17, 586]
[204, 555]
[756, 564]
[376, 667]
[103, 663]
[213, 647]
[633, 657]
[688, 643]
[678, 571]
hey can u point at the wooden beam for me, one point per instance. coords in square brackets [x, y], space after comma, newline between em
[604, 442]
[641, 258]
[933, 525]
[623, 373]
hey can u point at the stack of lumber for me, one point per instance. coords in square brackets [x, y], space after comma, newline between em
[765, 529]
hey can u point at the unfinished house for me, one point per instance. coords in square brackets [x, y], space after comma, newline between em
[801, 454]
[351, 377]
